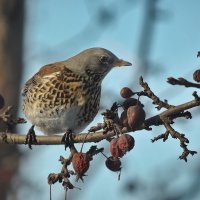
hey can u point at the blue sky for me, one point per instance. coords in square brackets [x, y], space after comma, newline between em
[56, 30]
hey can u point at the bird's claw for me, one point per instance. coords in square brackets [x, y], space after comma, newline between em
[67, 138]
[31, 137]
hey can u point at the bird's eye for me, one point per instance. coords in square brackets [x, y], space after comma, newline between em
[104, 59]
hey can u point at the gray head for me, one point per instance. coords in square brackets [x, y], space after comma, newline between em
[95, 60]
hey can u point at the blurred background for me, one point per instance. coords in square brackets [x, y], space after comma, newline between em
[160, 37]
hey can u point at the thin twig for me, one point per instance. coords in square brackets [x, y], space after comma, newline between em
[156, 100]
[183, 82]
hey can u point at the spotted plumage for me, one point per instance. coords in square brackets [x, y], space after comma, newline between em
[66, 95]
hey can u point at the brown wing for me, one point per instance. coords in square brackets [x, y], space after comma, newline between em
[52, 69]
[31, 83]
[44, 72]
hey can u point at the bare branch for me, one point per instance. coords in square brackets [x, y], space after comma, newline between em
[148, 92]
[183, 82]
[11, 138]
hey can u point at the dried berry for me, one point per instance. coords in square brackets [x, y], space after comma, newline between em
[81, 163]
[126, 92]
[114, 149]
[113, 164]
[196, 75]
[124, 119]
[130, 102]
[136, 116]
[2, 102]
[125, 143]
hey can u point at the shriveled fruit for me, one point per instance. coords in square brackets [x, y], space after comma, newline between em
[136, 116]
[125, 143]
[196, 75]
[130, 102]
[114, 149]
[124, 119]
[80, 163]
[126, 92]
[113, 164]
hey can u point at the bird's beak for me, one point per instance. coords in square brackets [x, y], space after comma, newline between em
[120, 63]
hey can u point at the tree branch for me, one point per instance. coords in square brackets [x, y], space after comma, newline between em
[173, 113]
[183, 82]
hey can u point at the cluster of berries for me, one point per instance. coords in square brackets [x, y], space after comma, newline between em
[133, 116]
[118, 148]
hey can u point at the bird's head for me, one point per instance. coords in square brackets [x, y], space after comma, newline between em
[97, 61]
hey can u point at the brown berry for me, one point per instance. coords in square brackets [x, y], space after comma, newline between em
[136, 116]
[126, 92]
[2, 102]
[113, 164]
[114, 149]
[124, 119]
[130, 102]
[196, 75]
[125, 142]
[80, 163]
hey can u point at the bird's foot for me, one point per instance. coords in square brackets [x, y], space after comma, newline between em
[31, 137]
[67, 138]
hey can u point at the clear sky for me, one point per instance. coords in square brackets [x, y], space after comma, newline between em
[56, 30]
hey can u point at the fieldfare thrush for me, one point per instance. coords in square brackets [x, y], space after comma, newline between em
[65, 95]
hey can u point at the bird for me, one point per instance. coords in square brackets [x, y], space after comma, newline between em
[65, 96]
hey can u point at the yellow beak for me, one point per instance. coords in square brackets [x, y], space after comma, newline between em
[120, 63]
